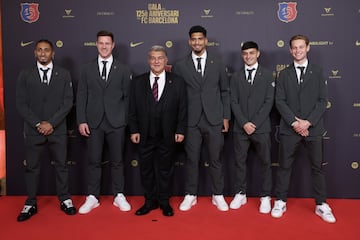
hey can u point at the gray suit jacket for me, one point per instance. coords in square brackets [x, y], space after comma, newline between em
[252, 103]
[208, 94]
[96, 97]
[307, 101]
[36, 102]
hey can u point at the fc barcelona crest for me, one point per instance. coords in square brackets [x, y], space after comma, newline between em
[287, 11]
[29, 12]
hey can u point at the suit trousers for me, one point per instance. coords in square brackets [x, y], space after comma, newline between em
[156, 170]
[262, 145]
[212, 136]
[57, 146]
[114, 138]
[288, 147]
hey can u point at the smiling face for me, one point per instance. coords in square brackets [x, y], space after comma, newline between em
[44, 53]
[250, 56]
[105, 45]
[299, 50]
[198, 43]
[157, 61]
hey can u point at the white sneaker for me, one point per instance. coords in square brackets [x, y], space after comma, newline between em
[90, 203]
[278, 209]
[120, 202]
[220, 203]
[325, 212]
[265, 205]
[188, 202]
[239, 199]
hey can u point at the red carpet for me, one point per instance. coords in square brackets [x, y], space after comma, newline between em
[204, 221]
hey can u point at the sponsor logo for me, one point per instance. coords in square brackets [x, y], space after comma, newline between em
[24, 44]
[59, 43]
[169, 44]
[29, 12]
[68, 14]
[244, 12]
[280, 43]
[132, 44]
[334, 74]
[357, 43]
[354, 165]
[213, 44]
[287, 11]
[321, 43]
[90, 44]
[327, 13]
[207, 14]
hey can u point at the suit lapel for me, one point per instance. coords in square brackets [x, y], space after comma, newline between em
[307, 75]
[245, 85]
[94, 68]
[114, 66]
[293, 77]
[167, 87]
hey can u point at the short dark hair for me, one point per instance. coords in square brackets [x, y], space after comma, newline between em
[197, 29]
[104, 33]
[249, 44]
[299, 37]
[45, 41]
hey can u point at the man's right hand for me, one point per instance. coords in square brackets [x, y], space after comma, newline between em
[84, 129]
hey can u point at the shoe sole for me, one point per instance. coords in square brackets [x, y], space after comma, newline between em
[122, 209]
[221, 209]
[320, 215]
[237, 207]
[278, 216]
[85, 212]
[187, 209]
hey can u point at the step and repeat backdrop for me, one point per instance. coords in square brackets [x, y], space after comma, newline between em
[331, 25]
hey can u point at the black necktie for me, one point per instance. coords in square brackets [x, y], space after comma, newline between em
[155, 90]
[103, 73]
[45, 78]
[249, 78]
[199, 65]
[301, 74]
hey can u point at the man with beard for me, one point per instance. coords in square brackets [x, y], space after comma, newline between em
[208, 116]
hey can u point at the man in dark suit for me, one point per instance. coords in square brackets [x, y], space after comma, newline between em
[102, 109]
[157, 118]
[301, 98]
[44, 97]
[208, 116]
[252, 98]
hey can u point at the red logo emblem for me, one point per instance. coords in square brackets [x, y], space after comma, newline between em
[29, 12]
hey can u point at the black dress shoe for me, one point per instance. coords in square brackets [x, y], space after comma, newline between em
[27, 212]
[167, 210]
[145, 209]
[68, 207]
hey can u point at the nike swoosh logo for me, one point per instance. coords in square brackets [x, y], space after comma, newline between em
[24, 44]
[132, 44]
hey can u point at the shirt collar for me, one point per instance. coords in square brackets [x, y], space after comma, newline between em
[49, 66]
[161, 75]
[255, 66]
[305, 64]
[109, 59]
[194, 56]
